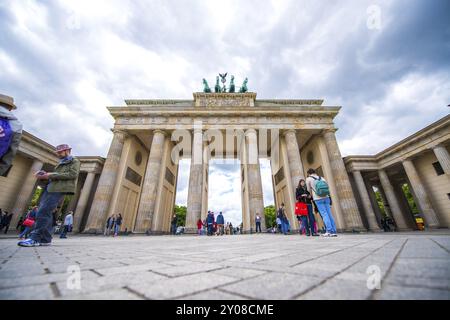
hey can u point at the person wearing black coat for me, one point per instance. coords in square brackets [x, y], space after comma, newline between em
[302, 195]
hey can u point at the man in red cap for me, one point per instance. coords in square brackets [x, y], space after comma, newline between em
[61, 182]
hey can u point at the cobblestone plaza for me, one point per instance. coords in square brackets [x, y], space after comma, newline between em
[263, 266]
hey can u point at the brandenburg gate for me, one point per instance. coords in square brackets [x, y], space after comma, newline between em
[139, 178]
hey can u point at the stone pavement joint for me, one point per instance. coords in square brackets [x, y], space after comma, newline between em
[414, 265]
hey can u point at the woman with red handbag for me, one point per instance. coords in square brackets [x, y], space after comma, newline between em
[28, 223]
[304, 209]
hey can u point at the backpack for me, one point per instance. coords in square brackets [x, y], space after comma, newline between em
[322, 188]
[6, 135]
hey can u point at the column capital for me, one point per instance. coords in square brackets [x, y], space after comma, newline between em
[329, 130]
[160, 131]
[437, 146]
[251, 130]
[120, 131]
[288, 131]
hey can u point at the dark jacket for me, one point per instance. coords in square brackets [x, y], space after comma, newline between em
[220, 219]
[64, 178]
[210, 218]
[300, 191]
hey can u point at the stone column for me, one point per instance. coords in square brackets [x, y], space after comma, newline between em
[151, 181]
[370, 214]
[443, 157]
[25, 193]
[294, 160]
[83, 201]
[394, 206]
[255, 192]
[423, 200]
[343, 186]
[194, 201]
[75, 198]
[106, 184]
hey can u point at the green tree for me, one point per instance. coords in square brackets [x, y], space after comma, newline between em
[36, 195]
[270, 214]
[380, 202]
[410, 198]
[181, 214]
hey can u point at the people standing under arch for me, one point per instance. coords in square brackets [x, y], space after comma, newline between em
[319, 189]
[210, 223]
[117, 225]
[304, 196]
[68, 225]
[199, 227]
[220, 223]
[173, 224]
[281, 214]
[258, 223]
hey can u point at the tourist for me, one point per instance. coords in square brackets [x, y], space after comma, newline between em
[68, 224]
[109, 225]
[117, 225]
[283, 219]
[6, 221]
[10, 134]
[258, 223]
[304, 196]
[210, 222]
[62, 181]
[199, 227]
[220, 221]
[319, 189]
[278, 222]
[28, 223]
[173, 224]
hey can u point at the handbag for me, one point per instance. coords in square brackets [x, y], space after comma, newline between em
[301, 209]
[28, 222]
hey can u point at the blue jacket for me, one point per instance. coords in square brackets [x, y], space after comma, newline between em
[220, 219]
[210, 218]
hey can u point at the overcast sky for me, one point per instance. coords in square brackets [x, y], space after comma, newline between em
[386, 62]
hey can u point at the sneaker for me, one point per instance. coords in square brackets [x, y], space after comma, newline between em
[326, 234]
[333, 235]
[315, 235]
[28, 243]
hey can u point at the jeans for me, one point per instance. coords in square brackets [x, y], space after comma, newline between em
[210, 229]
[116, 229]
[25, 232]
[258, 226]
[325, 211]
[43, 227]
[173, 228]
[284, 227]
[64, 232]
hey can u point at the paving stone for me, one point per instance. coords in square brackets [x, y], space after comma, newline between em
[277, 286]
[115, 281]
[240, 273]
[339, 289]
[38, 292]
[181, 286]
